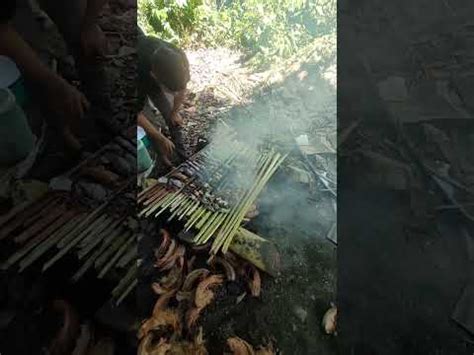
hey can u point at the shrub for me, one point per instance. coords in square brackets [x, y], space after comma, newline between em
[267, 30]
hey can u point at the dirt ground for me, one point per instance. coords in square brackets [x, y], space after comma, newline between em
[404, 259]
[292, 305]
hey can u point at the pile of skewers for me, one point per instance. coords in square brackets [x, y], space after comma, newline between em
[97, 229]
[208, 193]
[52, 227]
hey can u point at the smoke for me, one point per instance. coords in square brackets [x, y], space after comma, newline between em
[305, 103]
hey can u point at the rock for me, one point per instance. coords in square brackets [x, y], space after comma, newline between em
[60, 183]
[125, 50]
[120, 165]
[92, 191]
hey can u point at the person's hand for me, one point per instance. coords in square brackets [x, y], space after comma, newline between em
[177, 120]
[166, 146]
[64, 100]
[93, 41]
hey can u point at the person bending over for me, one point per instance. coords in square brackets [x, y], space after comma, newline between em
[163, 74]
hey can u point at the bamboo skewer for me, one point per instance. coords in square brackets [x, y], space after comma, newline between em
[182, 206]
[89, 263]
[113, 261]
[176, 202]
[155, 196]
[127, 291]
[249, 202]
[152, 208]
[45, 233]
[197, 214]
[49, 243]
[37, 249]
[267, 171]
[176, 196]
[74, 239]
[224, 237]
[129, 256]
[90, 218]
[215, 221]
[203, 219]
[92, 223]
[131, 274]
[105, 225]
[188, 210]
[104, 237]
[116, 244]
[39, 226]
[22, 214]
[265, 159]
[25, 219]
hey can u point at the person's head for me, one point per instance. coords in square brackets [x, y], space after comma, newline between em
[170, 67]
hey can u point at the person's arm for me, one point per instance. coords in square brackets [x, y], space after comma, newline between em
[14, 47]
[178, 102]
[63, 98]
[160, 142]
[150, 130]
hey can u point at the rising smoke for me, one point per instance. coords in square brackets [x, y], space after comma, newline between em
[305, 103]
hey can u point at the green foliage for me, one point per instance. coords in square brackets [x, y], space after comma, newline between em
[267, 30]
[172, 20]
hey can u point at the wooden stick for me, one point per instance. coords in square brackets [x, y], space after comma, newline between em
[130, 255]
[38, 249]
[217, 218]
[118, 254]
[40, 225]
[152, 208]
[127, 291]
[155, 197]
[131, 273]
[21, 218]
[88, 264]
[203, 219]
[103, 237]
[107, 223]
[189, 210]
[90, 261]
[117, 243]
[22, 212]
[91, 224]
[249, 198]
[250, 201]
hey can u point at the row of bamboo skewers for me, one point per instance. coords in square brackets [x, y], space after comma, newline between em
[182, 204]
[57, 225]
[51, 226]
